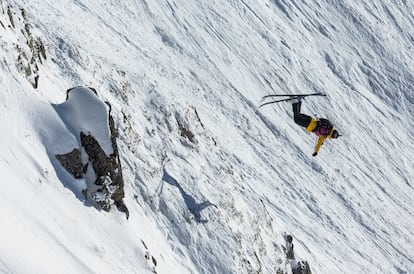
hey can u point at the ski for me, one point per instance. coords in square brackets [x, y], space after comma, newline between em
[276, 101]
[282, 95]
[291, 97]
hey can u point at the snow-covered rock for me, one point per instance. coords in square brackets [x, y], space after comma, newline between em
[89, 119]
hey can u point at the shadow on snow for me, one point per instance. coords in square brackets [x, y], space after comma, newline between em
[194, 207]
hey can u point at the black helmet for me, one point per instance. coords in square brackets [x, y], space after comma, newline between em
[335, 134]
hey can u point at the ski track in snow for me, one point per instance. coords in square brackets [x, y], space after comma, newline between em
[218, 203]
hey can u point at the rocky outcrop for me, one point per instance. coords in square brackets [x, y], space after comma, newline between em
[108, 173]
[297, 266]
[102, 171]
[31, 51]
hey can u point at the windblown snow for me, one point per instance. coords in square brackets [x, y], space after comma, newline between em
[213, 184]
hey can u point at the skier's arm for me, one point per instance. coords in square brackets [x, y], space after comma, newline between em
[318, 145]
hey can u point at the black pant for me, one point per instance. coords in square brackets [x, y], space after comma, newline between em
[299, 118]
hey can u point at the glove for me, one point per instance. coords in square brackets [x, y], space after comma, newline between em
[314, 154]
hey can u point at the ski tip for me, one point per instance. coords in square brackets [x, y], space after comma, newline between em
[261, 105]
[256, 110]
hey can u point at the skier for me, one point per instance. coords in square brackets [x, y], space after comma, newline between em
[321, 127]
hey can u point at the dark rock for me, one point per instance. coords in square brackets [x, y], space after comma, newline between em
[302, 267]
[108, 174]
[100, 162]
[186, 133]
[108, 169]
[122, 207]
[72, 162]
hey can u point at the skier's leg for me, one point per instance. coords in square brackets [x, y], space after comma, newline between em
[296, 107]
[299, 118]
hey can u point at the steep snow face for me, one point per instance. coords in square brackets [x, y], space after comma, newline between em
[212, 182]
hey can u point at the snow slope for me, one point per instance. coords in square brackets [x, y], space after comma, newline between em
[211, 182]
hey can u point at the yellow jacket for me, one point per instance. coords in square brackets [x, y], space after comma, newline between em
[321, 139]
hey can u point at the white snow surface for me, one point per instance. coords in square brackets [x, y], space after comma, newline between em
[219, 200]
[84, 112]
